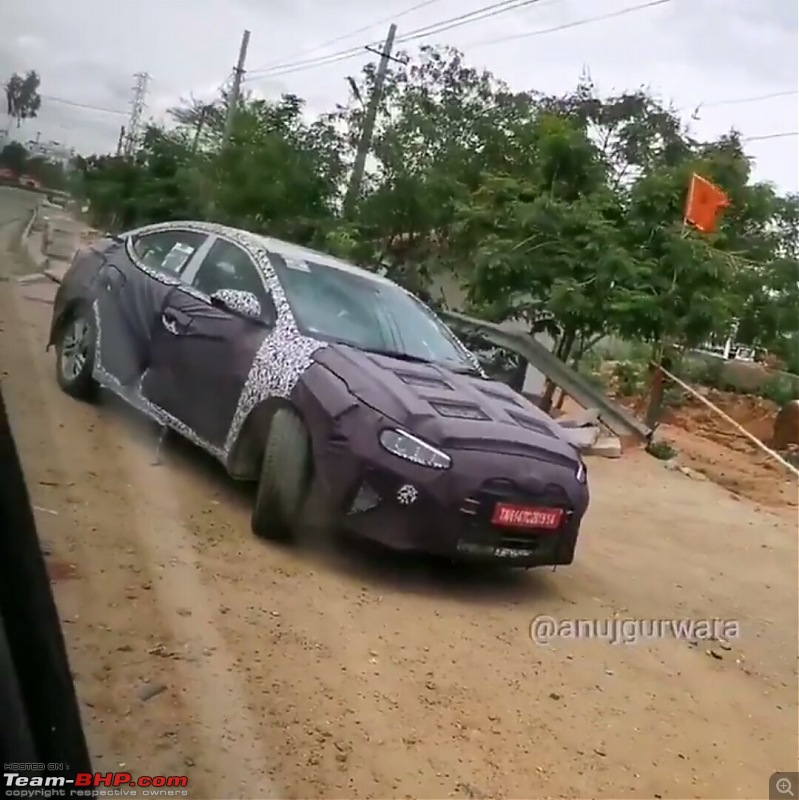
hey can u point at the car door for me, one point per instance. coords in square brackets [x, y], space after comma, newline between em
[131, 287]
[202, 352]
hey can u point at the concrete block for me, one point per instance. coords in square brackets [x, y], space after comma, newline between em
[56, 273]
[33, 278]
[582, 438]
[583, 419]
[607, 447]
[33, 248]
[61, 245]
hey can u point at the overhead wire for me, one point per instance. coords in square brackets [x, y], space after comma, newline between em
[442, 26]
[323, 45]
[477, 15]
[85, 106]
[768, 136]
[751, 99]
[574, 24]
[712, 104]
[465, 19]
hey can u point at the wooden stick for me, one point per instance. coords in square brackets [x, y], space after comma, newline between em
[755, 441]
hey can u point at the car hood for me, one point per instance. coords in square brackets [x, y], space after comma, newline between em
[450, 410]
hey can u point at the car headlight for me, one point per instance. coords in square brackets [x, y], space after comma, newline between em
[582, 472]
[405, 445]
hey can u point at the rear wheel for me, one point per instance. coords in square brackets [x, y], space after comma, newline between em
[285, 478]
[75, 349]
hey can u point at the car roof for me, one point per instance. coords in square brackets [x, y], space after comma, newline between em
[295, 251]
[283, 248]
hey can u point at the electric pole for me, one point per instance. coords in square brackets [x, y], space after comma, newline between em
[204, 111]
[235, 91]
[364, 145]
[136, 109]
[120, 140]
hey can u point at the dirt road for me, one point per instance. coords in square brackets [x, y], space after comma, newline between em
[292, 674]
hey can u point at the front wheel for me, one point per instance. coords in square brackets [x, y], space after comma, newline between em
[75, 349]
[285, 478]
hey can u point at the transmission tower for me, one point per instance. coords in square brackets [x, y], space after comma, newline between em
[137, 105]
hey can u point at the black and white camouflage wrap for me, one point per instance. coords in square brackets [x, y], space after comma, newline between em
[280, 362]
[240, 302]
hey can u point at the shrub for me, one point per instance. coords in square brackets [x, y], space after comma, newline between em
[780, 389]
[630, 378]
[661, 450]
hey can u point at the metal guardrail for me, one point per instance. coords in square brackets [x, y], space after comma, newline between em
[611, 414]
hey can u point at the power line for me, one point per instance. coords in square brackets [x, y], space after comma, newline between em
[713, 104]
[768, 136]
[453, 22]
[477, 15]
[310, 63]
[575, 24]
[344, 36]
[465, 19]
[86, 106]
[751, 99]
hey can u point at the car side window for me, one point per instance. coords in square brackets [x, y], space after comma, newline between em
[167, 251]
[227, 266]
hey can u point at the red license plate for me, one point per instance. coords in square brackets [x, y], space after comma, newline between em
[509, 515]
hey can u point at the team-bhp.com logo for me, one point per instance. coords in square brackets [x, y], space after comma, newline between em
[18, 785]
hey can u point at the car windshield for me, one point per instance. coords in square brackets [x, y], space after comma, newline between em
[332, 303]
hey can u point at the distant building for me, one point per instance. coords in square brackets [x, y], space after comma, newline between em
[448, 286]
[51, 150]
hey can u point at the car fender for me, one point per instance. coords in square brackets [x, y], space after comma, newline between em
[62, 317]
[319, 398]
[78, 284]
[244, 460]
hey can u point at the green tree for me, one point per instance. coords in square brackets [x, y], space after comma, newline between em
[544, 238]
[14, 156]
[278, 174]
[441, 124]
[562, 213]
[769, 287]
[23, 100]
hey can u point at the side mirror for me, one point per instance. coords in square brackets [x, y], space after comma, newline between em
[244, 304]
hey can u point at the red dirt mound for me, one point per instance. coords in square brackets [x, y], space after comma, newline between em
[755, 414]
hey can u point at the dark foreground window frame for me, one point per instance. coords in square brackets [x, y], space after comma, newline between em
[41, 717]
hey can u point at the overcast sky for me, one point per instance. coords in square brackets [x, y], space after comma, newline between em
[693, 52]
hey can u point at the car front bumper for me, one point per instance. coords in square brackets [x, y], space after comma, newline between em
[448, 513]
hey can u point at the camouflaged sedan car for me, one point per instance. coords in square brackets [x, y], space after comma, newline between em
[321, 381]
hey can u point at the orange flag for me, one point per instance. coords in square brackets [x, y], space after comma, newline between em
[705, 201]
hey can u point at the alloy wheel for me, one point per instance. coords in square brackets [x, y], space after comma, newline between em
[75, 349]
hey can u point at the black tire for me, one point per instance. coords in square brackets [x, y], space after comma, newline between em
[80, 385]
[285, 478]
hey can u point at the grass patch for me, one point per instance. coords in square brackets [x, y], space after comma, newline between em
[661, 450]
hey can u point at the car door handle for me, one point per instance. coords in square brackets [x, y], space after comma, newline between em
[176, 322]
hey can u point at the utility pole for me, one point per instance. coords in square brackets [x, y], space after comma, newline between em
[137, 104]
[120, 140]
[204, 111]
[365, 144]
[235, 91]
